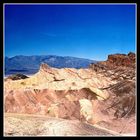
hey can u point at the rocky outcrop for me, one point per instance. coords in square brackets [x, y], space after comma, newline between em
[121, 69]
[118, 67]
[16, 77]
[114, 60]
[122, 60]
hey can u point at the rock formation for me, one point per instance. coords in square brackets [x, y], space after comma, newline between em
[98, 95]
[16, 77]
[121, 69]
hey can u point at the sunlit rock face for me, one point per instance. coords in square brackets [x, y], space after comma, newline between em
[117, 60]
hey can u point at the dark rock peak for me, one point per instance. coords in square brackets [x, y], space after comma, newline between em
[132, 56]
[131, 53]
[17, 76]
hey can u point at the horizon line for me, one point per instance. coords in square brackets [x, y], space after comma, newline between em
[65, 55]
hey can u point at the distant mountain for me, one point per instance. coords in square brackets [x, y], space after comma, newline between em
[30, 64]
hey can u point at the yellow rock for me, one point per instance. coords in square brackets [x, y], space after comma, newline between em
[100, 94]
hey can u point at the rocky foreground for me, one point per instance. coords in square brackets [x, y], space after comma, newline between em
[102, 95]
[39, 125]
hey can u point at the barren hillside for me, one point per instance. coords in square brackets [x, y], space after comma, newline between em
[103, 95]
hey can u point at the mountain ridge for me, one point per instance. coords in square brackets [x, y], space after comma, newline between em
[30, 64]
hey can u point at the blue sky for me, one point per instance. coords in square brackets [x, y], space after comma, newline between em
[86, 31]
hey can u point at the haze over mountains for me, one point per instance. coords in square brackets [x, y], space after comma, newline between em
[30, 64]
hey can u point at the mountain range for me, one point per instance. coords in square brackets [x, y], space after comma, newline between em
[30, 64]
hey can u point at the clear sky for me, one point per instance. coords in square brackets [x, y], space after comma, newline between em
[86, 31]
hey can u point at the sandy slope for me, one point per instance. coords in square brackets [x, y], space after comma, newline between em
[37, 125]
